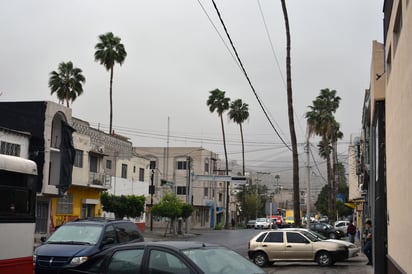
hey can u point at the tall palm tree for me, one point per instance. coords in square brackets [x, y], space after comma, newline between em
[66, 82]
[296, 192]
[239, 112]
[321, 122]
[219, 103]
[110, 51]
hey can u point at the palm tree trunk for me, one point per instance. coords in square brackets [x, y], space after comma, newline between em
[296, 192]
[111, 101]
[227, 173]
[334, 172]
[243, 149]
[329, 172]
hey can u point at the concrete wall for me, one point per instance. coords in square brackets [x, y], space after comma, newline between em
[398, 136]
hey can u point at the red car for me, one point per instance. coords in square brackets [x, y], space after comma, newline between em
[279, 220]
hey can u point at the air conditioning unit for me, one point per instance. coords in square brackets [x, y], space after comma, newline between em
[361, 190]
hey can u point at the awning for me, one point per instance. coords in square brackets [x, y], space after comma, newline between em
[351, 205]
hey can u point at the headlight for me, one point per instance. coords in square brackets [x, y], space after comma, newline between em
[352, 246]
[34, 258]
[78, 260]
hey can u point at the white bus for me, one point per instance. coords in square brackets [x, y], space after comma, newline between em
[17, 214]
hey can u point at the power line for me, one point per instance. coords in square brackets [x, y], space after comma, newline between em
[246, 75]
[218, 33]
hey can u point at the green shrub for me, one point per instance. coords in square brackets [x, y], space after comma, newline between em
[219, 226]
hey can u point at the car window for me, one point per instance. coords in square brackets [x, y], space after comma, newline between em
[214, 260]
[274, 237]
[109, 233]
[294, 237]
[127, 232]
[261, 237]
[126, 262]
[162, 262]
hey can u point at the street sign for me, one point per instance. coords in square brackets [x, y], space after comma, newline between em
[221, 178]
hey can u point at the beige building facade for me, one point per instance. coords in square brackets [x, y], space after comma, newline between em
[398, 102]
[175, 170]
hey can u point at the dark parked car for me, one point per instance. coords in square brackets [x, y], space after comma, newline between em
[74, 242]
[167, 257]
[327, 230]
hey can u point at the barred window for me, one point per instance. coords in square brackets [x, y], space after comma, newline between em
[9, 149]
[78, 158]
[181, 165]
[65, 204]
[141, 174]
[109, 164]
[181, 190]
[124, 171]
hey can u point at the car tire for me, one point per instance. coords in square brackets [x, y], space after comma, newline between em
[323, 258]
[332, 235]
[260, 259]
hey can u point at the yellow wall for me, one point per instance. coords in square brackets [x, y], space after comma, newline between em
[79, 194]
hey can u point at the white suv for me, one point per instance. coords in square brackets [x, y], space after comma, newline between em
[342, 226]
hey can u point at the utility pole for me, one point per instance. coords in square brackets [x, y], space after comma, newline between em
[151, 191]
[308, 183]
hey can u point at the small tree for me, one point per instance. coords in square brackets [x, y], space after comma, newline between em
[123, 206]
[172, 207]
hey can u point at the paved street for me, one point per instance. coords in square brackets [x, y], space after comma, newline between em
[238, 239]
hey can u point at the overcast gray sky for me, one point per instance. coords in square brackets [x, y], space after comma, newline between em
[175, 57]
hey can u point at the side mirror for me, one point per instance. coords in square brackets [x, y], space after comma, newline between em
[107, 241]
[43, 239]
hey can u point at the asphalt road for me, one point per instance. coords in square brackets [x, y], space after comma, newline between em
[238, 239]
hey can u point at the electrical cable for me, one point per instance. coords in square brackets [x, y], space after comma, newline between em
[246, 75]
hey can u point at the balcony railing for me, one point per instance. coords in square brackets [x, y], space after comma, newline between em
[99, 179]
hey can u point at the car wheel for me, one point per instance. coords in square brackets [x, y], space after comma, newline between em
[332, 235]
[323, 258]
[260, 259]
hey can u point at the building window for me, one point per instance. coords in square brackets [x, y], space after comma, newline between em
[220, 197]
[134, 169]
[206, 165]
[109, 164]
[93, 163]
[9, 149]
[78, 158]
[206, 192]
[65, 204]
[181, 190]
[141, 174]
[152, 164]
[181, 165]
[124, 171]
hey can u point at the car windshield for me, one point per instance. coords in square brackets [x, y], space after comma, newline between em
[317, 235]
[76, 234]
[328, 226]
[261, 220]
[311, 237]
[221, 260]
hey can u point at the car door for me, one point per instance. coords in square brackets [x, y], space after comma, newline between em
[274, 245]
[298, 247]
[162, 261]
[126, 261]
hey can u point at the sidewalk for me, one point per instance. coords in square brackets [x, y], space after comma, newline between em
[160, 234]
